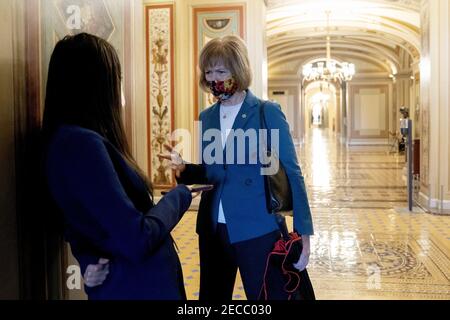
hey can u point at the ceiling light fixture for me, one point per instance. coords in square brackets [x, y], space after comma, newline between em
[328, 69]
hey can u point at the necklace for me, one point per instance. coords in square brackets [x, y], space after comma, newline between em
[224, 114]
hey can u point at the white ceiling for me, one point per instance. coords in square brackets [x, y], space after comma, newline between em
[381, 33]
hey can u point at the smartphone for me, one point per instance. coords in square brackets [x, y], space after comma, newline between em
[201, 187]
[195, 188]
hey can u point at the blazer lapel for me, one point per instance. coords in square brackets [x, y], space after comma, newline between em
[246, 112]
[214, 119]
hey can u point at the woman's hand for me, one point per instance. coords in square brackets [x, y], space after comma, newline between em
[304, 256]
[95, 274]
[176, 162]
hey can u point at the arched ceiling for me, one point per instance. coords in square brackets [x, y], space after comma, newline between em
[380, 33]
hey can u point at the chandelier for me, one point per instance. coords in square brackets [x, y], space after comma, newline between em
[329, 69]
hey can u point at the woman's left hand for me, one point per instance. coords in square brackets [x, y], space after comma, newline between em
[304, 256]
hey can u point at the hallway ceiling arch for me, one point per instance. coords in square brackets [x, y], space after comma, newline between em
[378, 33]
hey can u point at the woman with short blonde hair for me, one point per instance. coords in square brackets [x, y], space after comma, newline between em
[232, 52]
[234, 226]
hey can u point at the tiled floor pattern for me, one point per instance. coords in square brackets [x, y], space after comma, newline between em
[362, 247]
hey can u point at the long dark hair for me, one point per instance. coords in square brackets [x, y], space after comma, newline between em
[84, 89]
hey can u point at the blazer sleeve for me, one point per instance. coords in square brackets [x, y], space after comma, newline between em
[88, 190]
[302, 213]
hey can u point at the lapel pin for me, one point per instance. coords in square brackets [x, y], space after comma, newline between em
[244, 116]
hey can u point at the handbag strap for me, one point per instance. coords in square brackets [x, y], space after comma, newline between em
[263, 123]
[279, 219]
[281, 222]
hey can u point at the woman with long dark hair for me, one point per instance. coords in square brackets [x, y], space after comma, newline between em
[105, 199]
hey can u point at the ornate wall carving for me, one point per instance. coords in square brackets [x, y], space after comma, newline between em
[160, 90]
[425, 96]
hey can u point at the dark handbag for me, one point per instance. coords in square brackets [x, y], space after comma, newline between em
[276, 186]
[282, 281]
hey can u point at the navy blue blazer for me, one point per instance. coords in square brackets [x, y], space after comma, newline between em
[108, 213]
[241, 186]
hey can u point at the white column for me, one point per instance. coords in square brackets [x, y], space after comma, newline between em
[435, 69]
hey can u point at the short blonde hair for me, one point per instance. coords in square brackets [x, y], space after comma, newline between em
[232, 52]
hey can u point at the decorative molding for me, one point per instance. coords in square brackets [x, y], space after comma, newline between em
[218, 24]
[160, 89]
[211, 22]
[425, 99]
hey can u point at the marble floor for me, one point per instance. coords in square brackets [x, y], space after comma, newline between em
[365, 246]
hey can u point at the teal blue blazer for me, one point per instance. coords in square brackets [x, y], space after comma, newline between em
[241, 186]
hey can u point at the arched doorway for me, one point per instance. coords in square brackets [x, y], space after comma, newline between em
[320, 106]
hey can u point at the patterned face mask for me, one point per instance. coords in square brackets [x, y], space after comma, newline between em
[223, 90]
